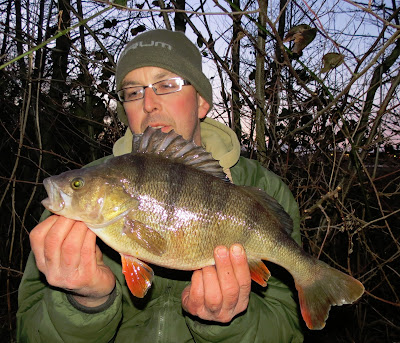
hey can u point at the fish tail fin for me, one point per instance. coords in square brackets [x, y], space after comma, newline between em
[332, 287]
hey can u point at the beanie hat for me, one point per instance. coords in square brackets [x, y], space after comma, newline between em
[165, 49]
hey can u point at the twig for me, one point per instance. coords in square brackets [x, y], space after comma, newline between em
[369, 11]
[383, 300]
[59, 34]
[328, 220]
[329, 195]
[172, 10]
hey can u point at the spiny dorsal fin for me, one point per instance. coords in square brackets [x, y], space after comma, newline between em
[174, 147]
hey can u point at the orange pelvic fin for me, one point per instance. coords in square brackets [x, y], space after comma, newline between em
[330, 287]
[138, 275]
[259, 272]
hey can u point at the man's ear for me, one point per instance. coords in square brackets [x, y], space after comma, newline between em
[203, 107]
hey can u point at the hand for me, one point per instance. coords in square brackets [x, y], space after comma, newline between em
[218, 293]
[66, 253]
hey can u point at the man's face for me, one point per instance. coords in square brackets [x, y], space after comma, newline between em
[178, 111]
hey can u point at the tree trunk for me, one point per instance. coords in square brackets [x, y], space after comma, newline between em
[19, 38]
[6, 29]
[58, 85]
[179, 19]
[40, 53]
[260, 85]
[275, 84]
[165, 15]
[88, 105]
[61, 52]
[236, 106]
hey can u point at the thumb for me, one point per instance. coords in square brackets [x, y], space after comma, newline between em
[185, 296]
[99, 255]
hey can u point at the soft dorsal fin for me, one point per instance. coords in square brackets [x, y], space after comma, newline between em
[271, 203]
[172, 146]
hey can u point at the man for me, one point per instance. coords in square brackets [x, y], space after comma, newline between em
[80, 295]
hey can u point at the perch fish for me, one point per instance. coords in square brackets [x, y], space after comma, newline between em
[169, 203]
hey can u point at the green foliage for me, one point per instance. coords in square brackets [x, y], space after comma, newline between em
[121, 2]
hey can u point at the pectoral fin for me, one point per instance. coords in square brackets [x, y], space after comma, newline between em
[145, 236]
[259, 272]
[138, 275]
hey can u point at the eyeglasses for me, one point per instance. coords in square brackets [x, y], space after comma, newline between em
[160, 88]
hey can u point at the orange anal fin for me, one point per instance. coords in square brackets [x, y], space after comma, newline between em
[259, 272]
[138, 275]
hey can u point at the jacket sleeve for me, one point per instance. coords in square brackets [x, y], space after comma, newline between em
[46, 315]
[272, 314]
[270, 317]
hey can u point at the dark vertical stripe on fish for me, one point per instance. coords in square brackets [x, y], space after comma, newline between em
[143, 171]
[177, 179]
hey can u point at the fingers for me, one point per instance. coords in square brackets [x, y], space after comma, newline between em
[46, 238]
[193, 294]
[234, 280]
[57, 245]
[90, 255]
[224, 276]
[72, 243]
[66, 253]
[242, 275]
[222, 291]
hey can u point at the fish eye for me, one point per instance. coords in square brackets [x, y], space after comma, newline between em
[77, 183]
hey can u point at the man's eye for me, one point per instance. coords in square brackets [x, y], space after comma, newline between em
[168, 85]
[132, 93]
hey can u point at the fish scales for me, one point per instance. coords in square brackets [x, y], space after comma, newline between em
[188, 207]
[194, 207]
[167, 203]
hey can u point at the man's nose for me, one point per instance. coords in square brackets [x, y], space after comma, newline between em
[151, 100]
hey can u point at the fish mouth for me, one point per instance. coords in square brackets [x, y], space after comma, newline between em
[57, 199]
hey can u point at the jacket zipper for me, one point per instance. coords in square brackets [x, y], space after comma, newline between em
[162, 314]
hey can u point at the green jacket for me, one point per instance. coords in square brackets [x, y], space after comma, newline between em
[46, 314]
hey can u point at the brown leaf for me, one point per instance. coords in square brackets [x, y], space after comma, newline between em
[302, 35]
[331, 60]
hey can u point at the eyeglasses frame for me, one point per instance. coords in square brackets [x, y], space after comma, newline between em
[151, 85]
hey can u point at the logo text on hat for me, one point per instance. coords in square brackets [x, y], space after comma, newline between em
[141, 44]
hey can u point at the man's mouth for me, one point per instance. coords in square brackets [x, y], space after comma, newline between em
[164, 128]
